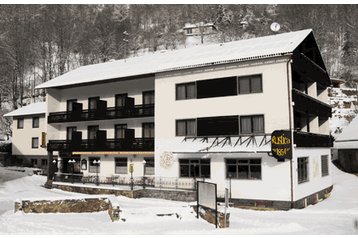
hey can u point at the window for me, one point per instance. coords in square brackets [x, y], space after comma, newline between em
[43, 162]
[186, 127]
[121, 165]
[70, 104]
[120, 100]
[84, 164]
[189, 31]
[35, 122]
[35, 142]
[148, 97]
[34, 162]
[210, 126]
[149, 166]
[250, 84]
[94, 166]
[216, 87]
[324, 165]
[185, 91]
[92, 103]
[119, 131]
[243, 168]
[70, 130]
[302, 170]
[252, 124]
[148, 130]
[20, 123]
[194, 168]
[92, 132]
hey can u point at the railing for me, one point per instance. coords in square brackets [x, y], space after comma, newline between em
[145, 110]
[117, 180]
[306, 103]
[136, 144]
[305, 139]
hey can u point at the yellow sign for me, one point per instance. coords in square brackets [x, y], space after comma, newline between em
[131, 168]
[281, 145]
[43, 139]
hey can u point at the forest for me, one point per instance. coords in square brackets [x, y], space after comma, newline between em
[41, 42]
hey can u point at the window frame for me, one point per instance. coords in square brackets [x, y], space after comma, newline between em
[122, 126]
[148, 160]
[68, 102]
[117, 96]
[18, 122]
[150, 93]
[90, 167]
[250, 84]
[186, 91]
[34, 125]
[324, 170]
[252, 123]
[33, 144]
[95, 99]
[143, 127]
[74, 128]
[186, 126]
[303, 178]
[238, 163]
[191, 163]
[120, 160]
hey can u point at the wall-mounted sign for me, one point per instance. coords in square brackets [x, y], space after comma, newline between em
[281, 145]
[131, 168]
[43, 139]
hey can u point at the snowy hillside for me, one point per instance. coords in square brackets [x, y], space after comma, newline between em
[344, 103]
[335, 215]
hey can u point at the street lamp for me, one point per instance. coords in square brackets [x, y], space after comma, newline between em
[144, 162]
[53, 168]
[96, 163]
[73, 161]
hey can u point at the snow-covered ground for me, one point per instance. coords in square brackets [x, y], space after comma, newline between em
[335, 215]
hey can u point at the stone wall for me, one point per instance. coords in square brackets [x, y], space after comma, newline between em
[175, 195]
[209, 215]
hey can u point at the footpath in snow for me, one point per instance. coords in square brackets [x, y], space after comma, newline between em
[335, 215]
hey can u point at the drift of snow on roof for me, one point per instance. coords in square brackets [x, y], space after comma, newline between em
[349, 136]
[31, 109]
[260, 47]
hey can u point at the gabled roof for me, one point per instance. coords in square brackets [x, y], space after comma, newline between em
[255, 48]
[31, 109]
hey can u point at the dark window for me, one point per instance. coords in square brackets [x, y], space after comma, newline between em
[324, 165]
[92, 132]
[148, 130]
[94, 166]
[252, 124]
[243, 168]
[194, 168]
[148, 97]
[119, 131]
[92, 103]
[34, 162]
[210, 126]
[185, 91]
[43, 162]
[70, 130]
[250, 84]
[120, 100]
[84, 164]
[149, 166]
[121, 165]
[216, 87]
[20, 123]
[70, 104]
[302, 170]
[189, 31]
[35, 142]
[186, 127]
[35, 122]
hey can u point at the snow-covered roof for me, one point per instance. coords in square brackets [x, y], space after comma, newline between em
[248, 49]
[349, 136]
[31, 109]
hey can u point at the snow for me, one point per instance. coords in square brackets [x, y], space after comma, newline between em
[148, 216]
[261, 47]
[31, 109]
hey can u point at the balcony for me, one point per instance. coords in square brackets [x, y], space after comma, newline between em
[135, 144]
[145, 110]
[305, 139]
[310, 105]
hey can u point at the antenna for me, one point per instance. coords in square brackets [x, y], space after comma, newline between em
[275, 27]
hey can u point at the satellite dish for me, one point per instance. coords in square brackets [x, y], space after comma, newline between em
[275, 27]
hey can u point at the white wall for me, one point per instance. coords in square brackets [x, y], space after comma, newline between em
[316, 181]
[22, 138]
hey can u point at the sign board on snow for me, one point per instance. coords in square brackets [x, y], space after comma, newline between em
[281, 145]
[207, 195]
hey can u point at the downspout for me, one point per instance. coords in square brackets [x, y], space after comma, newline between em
[289, 93]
